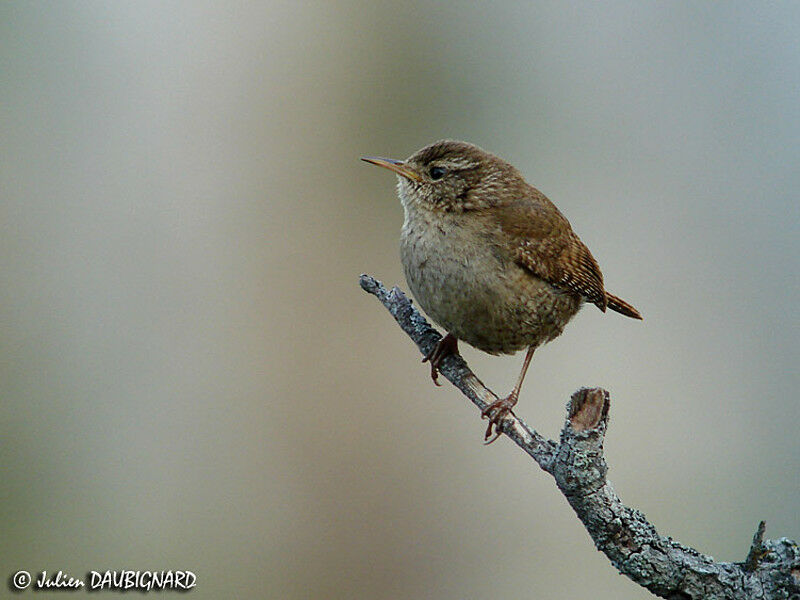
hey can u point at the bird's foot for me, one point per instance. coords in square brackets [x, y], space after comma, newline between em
[496, 412]
[446, 346]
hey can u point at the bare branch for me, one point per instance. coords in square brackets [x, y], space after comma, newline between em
[665, 567]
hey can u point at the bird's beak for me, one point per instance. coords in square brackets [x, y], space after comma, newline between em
[398, 166]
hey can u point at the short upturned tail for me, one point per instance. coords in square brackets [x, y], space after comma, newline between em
[622, 307]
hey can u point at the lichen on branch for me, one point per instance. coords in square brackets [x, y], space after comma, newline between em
[665, 567]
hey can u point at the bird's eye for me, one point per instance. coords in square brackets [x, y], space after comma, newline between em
[437, 172]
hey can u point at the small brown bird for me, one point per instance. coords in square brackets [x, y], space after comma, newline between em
[489, 257]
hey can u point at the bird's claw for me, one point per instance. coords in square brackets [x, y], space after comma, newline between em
[444, 347]
[434, 371]
[496, 412]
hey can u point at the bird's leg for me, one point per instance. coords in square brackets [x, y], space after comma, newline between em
[446, 346]
[501, 407]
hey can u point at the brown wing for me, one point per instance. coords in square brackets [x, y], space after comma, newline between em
[543, 242]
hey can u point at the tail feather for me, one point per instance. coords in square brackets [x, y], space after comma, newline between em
[622, 307]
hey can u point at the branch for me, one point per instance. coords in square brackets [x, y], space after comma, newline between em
[665, 567]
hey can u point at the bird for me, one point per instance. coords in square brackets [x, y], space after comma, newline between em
[490, 258]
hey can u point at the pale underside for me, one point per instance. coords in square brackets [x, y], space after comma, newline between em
[477, 292]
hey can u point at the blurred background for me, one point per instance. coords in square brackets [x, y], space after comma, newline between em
[191, 377]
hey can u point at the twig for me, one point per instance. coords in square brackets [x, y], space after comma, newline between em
[757, 549]
[665, 567]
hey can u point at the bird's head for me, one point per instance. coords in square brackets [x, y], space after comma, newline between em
[451, 176]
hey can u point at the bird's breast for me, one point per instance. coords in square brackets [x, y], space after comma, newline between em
[472, 288]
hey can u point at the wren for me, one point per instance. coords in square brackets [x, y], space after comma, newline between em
[489, 258]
